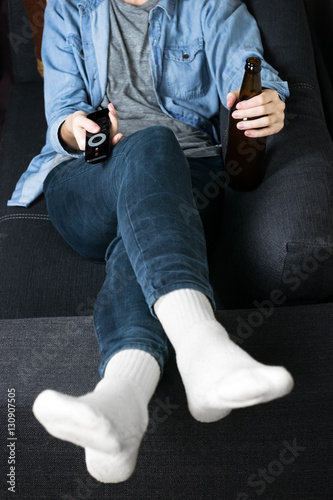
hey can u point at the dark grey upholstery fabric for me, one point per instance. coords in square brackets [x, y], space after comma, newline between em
[23, 137]
[180, 458]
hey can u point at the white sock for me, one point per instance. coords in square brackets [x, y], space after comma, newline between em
[218, 375]
[110, 421]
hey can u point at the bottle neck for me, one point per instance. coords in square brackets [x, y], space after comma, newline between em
[251, 85]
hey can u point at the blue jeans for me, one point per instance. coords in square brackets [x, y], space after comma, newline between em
[137, 211]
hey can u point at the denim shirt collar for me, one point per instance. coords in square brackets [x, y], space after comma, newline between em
[169, 6]
[87, 6]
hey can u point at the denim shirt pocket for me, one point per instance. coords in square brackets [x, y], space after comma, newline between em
[185, 72]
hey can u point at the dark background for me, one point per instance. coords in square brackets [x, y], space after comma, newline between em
[320, 14]
[5, 68]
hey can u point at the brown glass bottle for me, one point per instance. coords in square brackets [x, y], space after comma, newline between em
[245, 156]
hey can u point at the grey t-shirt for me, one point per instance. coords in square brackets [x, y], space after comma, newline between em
[130, 84]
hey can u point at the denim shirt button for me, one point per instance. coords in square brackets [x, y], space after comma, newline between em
[185, 56]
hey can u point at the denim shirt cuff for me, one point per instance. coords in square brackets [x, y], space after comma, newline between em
[57, 143]
[280, 86]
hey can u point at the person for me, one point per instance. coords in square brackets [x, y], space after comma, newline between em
[161, 67]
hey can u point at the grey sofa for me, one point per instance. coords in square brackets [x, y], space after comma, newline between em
[281, 450]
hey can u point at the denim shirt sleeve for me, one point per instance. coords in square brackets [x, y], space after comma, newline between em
[231, 36]
[64, 88]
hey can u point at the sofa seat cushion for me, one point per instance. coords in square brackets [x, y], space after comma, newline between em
[180, 457]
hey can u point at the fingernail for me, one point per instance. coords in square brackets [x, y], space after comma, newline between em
[235, 114]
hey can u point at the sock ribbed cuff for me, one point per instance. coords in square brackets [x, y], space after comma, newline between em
[184, 308]
[136, 366]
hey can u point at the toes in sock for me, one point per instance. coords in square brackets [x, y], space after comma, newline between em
[110, 421]
[217, 374]
[111, 467]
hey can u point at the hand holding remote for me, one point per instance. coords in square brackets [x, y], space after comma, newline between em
[73, 130]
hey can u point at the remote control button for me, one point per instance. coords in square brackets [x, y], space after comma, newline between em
[97, 139]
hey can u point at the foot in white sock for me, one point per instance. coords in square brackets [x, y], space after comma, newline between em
[218, 375]
[110, 421]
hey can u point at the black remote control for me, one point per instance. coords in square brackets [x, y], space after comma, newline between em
[98, 145]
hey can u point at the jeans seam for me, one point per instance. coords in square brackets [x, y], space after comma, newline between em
[134, 234]
[58, 172]
[112, 176]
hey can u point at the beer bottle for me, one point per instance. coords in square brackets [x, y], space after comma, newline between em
[244, 160]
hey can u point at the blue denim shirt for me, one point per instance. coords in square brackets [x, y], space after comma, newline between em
[198, 50]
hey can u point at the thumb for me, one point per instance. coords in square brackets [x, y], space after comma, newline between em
[232, 98]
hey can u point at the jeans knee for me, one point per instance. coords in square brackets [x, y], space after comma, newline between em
[160, 131]
[156, 135]
[154, 146]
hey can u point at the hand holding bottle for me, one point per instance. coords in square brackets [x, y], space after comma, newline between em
[245, 153]
[266, 111]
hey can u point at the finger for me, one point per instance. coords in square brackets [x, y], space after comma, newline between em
[113, 115]
[266, 96]
[263, 121]
[262, 130]
[275, 120]
[85, 123]
[116, 139]
[80, 137]
[112, 109]
[270, 108]
[81, 124]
